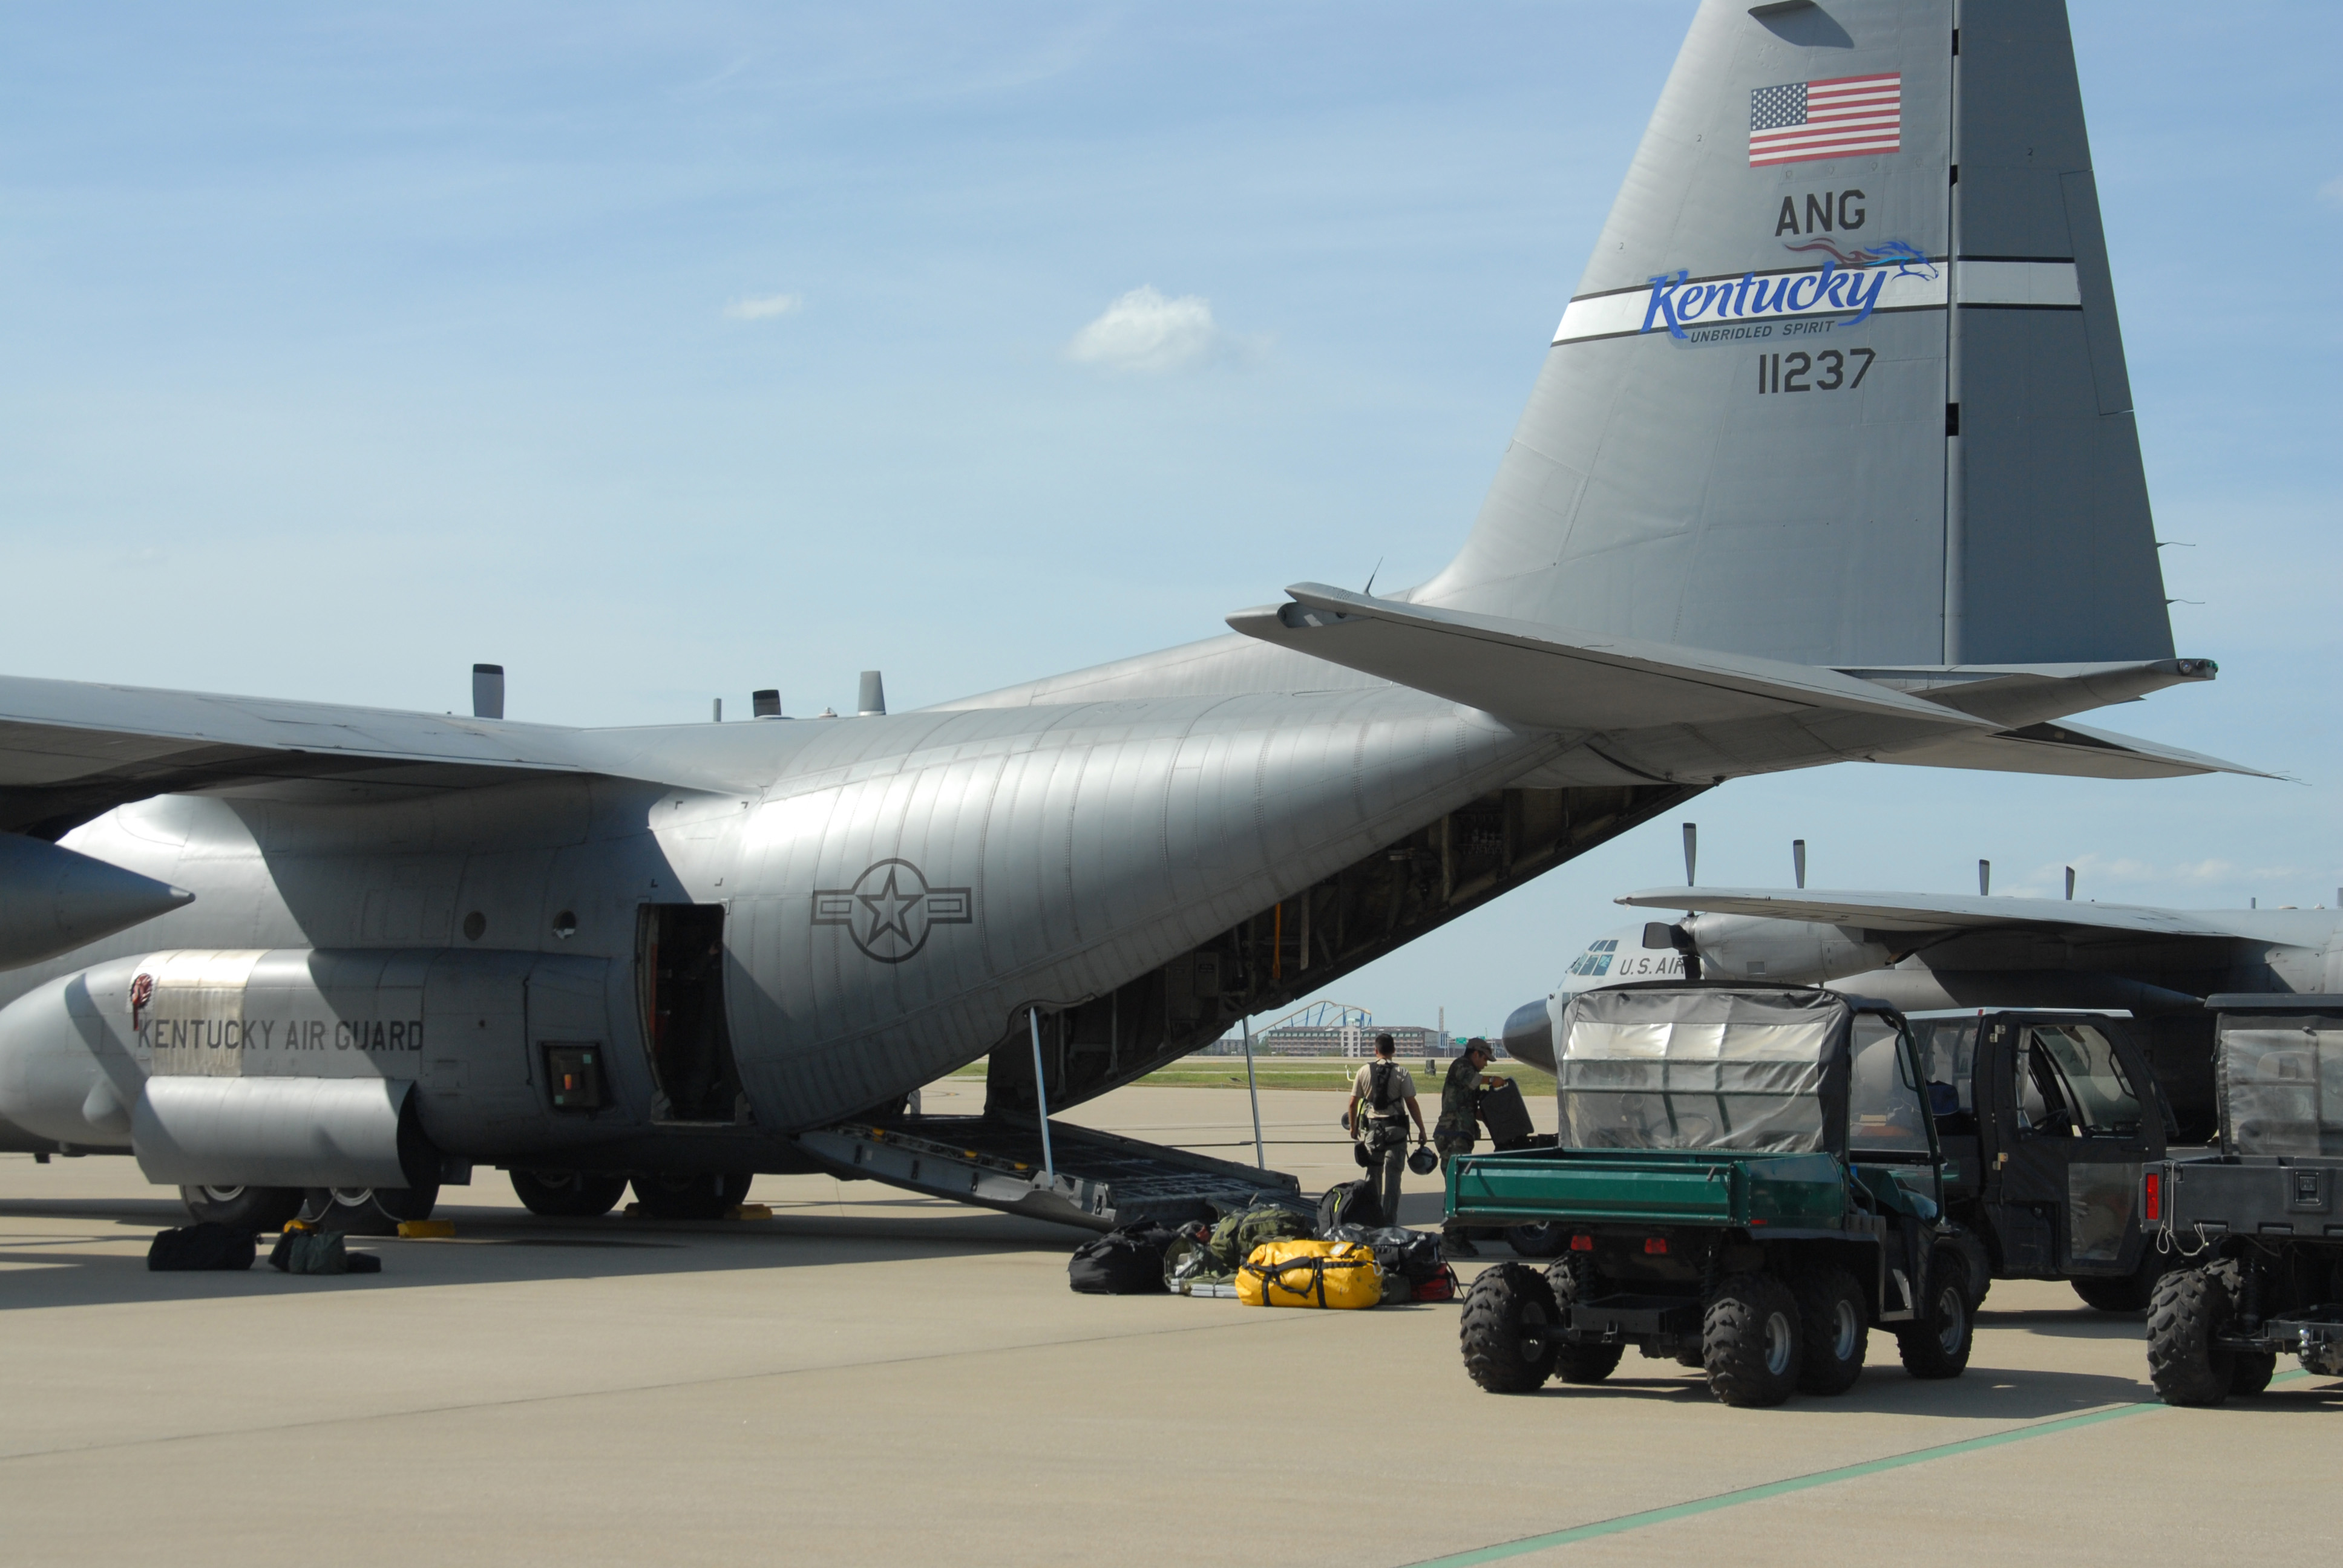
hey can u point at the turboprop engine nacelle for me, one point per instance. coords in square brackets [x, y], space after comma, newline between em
[1803, 952]
[309, 1068]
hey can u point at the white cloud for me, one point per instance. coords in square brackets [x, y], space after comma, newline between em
[1144, 330]
[765, 306]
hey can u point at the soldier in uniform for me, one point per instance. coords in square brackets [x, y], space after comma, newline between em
[1383, 1098]
[1458, 1128]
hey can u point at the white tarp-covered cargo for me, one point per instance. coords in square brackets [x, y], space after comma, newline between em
[1670, 1069]
[2282, 1085]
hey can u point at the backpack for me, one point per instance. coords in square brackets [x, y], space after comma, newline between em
[1236, 1237]
[1126, 1262]
[1441, 1287]
[1188, 1260]
[206, 1246]
[1380, 1094]
[320, 1252]
[1349, 1203]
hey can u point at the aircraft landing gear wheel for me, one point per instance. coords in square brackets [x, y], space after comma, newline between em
[243, 1208]
[685, 1195]
[568, 1194]
[367, 1211]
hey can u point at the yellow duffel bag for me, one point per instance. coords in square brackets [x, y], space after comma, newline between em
[1310, 1274]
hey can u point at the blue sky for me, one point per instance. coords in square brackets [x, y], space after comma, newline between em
[663, 353]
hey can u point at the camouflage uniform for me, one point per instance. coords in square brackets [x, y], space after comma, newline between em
[1454, 1134]
[1457, 1128]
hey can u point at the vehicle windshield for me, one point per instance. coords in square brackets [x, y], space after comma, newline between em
[2101, 1100]
[2282, 1086]
[1948, 1046]
[1668, 1084]
[1886, 1112]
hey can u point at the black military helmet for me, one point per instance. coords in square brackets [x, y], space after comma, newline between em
[1424, 1161]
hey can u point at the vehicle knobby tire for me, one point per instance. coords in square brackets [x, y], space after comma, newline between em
[1937, 1343]
[1835, 1330]
[2186, 1367]
[2129, 1293]
[1749, 1340]
[1572, 1278]
[1545, 1240]
[1507, 1329]
[2250, 1372]
[568, 1194]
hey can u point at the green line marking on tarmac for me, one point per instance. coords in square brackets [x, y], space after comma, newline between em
[1529, 1543]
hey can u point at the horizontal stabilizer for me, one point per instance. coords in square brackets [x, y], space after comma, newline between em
[1931, 911]
[2016, 695]
[2070, 749]
[1549, 677]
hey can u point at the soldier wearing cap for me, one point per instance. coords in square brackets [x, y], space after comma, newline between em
[1458, 1126]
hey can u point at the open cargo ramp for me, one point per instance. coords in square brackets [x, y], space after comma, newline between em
[1100, 1181]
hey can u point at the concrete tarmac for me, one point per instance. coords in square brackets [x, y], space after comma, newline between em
[873, 1377]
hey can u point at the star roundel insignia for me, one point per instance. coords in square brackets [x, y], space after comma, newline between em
[890, 910]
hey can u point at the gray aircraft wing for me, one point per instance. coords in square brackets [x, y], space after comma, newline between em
[72, 749]
[1934, 911]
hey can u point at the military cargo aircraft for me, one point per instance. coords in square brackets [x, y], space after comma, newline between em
[1832, 458]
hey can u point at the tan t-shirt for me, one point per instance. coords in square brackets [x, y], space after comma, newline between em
[1403, 1090]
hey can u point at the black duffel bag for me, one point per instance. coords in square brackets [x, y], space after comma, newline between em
[1128, 1261]
[195, 1248]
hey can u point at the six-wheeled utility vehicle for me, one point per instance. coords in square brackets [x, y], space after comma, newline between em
[1749, 1181]
[2046, 1120]
[2258, 1225]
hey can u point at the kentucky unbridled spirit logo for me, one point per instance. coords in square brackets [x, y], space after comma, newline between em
[1848, 283]
[890, 910]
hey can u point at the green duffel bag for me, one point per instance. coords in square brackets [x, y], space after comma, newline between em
[1236, 1237]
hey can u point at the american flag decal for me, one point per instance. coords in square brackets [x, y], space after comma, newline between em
[1844, 117]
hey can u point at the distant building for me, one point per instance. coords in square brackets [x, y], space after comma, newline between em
[1335, 1040]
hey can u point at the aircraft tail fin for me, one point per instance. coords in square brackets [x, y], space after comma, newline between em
[1757, 430]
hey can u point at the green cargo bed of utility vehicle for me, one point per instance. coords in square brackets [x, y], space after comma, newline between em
[1652, 1188]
